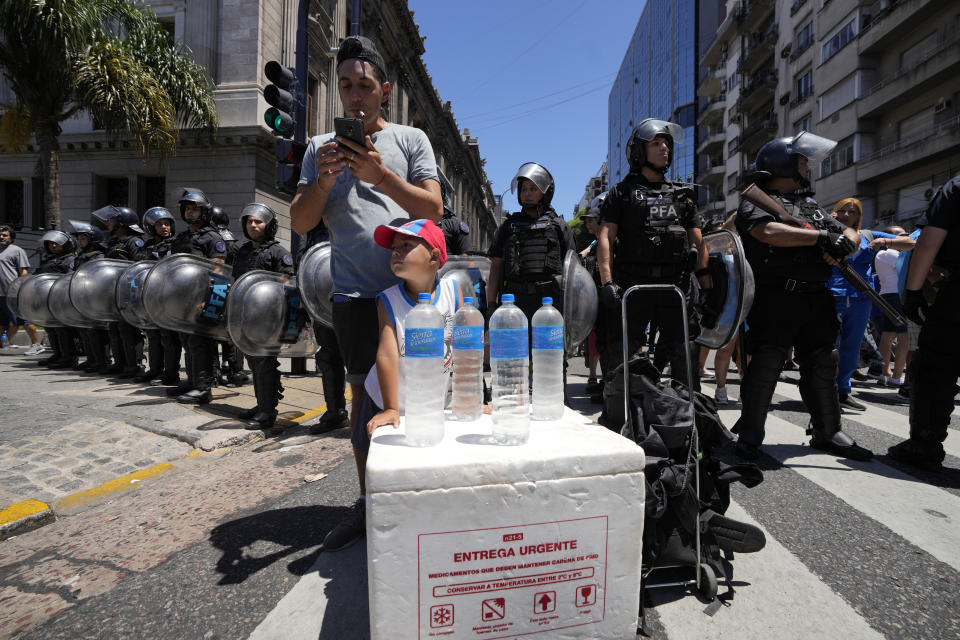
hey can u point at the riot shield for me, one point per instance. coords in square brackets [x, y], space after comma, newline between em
[266, 316]
[579, 301]
[471, 272]
[93, 289]
[130, 294]
[730, 299]
[188, 294]
[11, 293]
[316, 283]
[33, 297]
[63, 310]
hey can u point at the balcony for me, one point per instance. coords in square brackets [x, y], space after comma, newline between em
[759, 90]
[801, 48]
[940, 140]
[892, 19]
[796, 6]
[751, 14]
[755, 135]
[712, 112]
[715, 209]
[801, 98]
[934, 67]
[718, 47]
[713, 174]
[712, 83]
[759, 50]
[713, 142]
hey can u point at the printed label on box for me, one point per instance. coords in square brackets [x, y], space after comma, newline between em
[510, 581]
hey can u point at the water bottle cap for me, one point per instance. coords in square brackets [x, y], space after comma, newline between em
[468, 300]
[548, 301]
[507, 297]
[423, 297]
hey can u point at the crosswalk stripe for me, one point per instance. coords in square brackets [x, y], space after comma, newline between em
[766, 607]
[926, 516]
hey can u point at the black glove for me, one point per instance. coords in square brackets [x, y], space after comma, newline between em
[610, 295]
[915, 305]
[835, 245]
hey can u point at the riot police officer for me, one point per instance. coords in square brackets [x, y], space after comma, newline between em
[936, 364]
[91, 246]
[163, 361]
[455, 231]
[529, 247]
[203, 240]
[650, 233]
[125, 242]
[221, 221]
[262, 251]
[231, 372]
[58, 251]
[792, 305]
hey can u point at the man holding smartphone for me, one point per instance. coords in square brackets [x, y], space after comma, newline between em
[354, 188]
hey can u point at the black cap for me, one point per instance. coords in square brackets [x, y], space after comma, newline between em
[361, 48]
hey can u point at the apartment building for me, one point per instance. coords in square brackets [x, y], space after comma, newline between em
[233, 40]
[880, 77]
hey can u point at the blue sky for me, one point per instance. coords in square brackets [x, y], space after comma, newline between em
[530, 79]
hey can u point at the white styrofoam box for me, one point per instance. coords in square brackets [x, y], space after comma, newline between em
[472, 540]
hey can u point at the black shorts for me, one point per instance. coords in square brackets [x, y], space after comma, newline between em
[368, 408]
[6, 316]
[885, 324]
[358, 333]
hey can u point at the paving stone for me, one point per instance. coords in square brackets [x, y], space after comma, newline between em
[44, 457]
[14, 481]
[45, 474]
[88, 455]
[72, 485]
[82, 471]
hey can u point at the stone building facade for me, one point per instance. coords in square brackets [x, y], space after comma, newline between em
[233, 40]
[880, 77]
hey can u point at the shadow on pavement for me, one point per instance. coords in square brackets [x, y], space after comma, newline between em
[255, 542]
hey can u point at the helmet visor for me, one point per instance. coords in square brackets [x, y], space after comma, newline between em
[651, 128]
[536, 174]
[258, 211]
[102, 216]
[812, 147]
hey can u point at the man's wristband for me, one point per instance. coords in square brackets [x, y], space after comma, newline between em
[382, 178]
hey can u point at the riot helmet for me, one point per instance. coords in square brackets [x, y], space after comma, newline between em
[219, 218]
[102, 216]
[778, 158]
[644, 132]
[596, 204]
[261, 212]
[128, 218]
[58, 237]
[539, 176]
[94, 234]
[446, 191]
[153, 215]
[199, 198]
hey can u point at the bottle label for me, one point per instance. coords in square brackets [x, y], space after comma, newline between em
[508, 344]
[548, 338]
[468, 338]
[423, 343]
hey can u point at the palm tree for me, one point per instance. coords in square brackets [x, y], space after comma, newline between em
[106, 57]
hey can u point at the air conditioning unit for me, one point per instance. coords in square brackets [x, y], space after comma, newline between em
[785, 98]
[785, 52]
[942, 105]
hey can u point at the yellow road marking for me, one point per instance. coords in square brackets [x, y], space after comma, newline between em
[22, 510]
[200, 453]
[316, 411]
[118, 485]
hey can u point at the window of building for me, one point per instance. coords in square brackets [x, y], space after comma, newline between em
[733, 182]
[840, 39]
[842, 94]
[803, 86]
[170, 26]
[11, 206]
[841, 157]
[804, 38]
[803, 124]
[916, 126]
[733, 81]
[912, 200]
[36, 204]
[115, 191]
[732, 147]
[151, 192]
[919, 52]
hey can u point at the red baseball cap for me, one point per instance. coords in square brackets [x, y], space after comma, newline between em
[422, 228]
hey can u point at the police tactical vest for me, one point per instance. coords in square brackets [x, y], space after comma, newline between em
[532, 250]
[651, 228]
[192, 242]
[799, 263]
[56, 264]
[250, 258]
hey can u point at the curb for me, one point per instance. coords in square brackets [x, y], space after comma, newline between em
[24, 516]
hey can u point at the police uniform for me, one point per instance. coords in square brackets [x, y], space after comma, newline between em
[61, 338]
[126, 340]
[163, 359]
[456, 232]
[935, 366]
[533, 249]
[652, 247]
[95, 341]
[201, 351]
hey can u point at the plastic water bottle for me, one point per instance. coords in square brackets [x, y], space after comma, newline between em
[509, 363]
[424, 380]
[468, 362]
[548, 354]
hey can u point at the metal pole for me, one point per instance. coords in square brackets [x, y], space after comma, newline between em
[355, 10]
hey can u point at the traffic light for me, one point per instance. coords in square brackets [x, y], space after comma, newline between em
[280, 117]
[289, 159]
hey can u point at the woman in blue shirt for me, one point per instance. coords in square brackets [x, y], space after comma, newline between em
[853, 307]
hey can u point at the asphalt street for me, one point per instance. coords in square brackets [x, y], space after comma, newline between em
[226, 543]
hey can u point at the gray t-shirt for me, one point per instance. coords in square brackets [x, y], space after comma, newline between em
[13, 260]
[355, 208]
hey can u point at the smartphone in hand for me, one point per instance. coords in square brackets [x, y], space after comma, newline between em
[351, 129]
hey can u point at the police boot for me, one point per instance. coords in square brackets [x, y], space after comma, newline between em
[201, 394]
[172, 349]
[116, 350]
[818, 388]
[68, 350]
[334, 387]
[756, 392]
[266, 387]
[924, 454]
